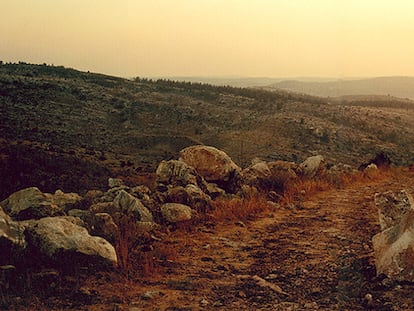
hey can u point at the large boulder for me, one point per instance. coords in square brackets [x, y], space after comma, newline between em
[126, 204]
[392, 207]
[314, 166]
[213, 165]
[394, 250]
[30, 203]
[12, 240]
[175, 212]
[394, 246]
[61, 242]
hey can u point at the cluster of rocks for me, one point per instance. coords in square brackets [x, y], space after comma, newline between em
[65, 229]
[394, 245]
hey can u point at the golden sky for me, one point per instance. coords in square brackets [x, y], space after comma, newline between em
[249, 38]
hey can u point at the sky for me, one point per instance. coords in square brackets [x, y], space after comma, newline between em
[213, 38]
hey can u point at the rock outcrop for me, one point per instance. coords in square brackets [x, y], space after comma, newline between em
[178, 173]
[213, 165]
[174, 212]
[190, 195]
[394, 246]
[105, 227]
[126, 204]
[313, 166]
[392, 207]
[30, 203]
[12, 239]
[66, 201]
[60, 241]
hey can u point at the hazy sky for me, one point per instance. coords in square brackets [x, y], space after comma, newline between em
[272, 38]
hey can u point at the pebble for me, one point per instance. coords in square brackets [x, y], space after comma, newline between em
[368, 299]
[204, 302]
[271, 276]
[151, 295]
[311, 305]
[240, 223]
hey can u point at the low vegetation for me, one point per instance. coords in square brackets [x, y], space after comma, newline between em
[127, 126]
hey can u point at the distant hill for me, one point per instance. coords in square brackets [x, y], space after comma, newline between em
[231, 81]
[395, 86]
[240, 81]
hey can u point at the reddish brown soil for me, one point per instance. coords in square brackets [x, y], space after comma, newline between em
[318, 253]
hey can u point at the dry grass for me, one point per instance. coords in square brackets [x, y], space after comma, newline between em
[138, 253]
[126, 239]
[239, 208]
[306, 188]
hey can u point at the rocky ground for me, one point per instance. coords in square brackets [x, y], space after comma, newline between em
[313, 255]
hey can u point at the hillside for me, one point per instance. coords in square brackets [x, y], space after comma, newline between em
[58, 123]
[395, 86]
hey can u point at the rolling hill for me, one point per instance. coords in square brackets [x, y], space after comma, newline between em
[62, 128]
[395, 86]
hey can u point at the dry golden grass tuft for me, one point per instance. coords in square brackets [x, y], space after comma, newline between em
[239, 208]
[306, 188]
[126, 239]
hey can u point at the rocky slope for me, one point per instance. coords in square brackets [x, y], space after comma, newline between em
[59, 125]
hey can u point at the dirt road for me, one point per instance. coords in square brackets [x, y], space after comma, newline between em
[318, 253]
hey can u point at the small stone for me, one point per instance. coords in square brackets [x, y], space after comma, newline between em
[271, 276]
[368, 299]
[240, 224]
[115, 182]
[311, 305]
[174, 212]
[204, 302]
[151, 295]
[316, 290]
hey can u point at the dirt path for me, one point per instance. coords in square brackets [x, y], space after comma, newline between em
[315, 256]
[319, 253]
